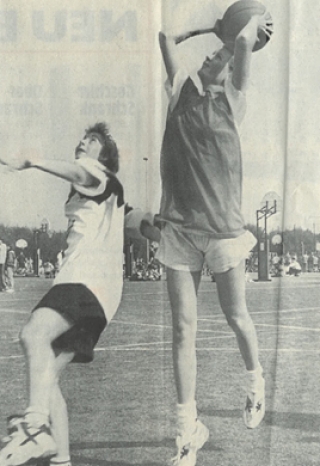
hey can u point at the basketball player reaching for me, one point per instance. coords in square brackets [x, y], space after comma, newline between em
[65, 326]
[200, 207]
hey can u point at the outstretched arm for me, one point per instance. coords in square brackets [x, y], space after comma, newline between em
[168, 45]
[139, 224]
[69, 171]
[244, 44]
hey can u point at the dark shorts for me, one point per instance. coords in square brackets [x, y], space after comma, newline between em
[79, 306]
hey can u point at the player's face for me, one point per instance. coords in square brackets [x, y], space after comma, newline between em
[214, 69]
[89, 146]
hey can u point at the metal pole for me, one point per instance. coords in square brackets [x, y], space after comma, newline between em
[266, 244]
[265, 225]
[35, 255]
[146, 160]
[263, 250]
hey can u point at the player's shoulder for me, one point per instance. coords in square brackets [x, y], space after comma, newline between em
[90, 164]
[114, 186]
[106, 183]
[236, 99]
[231, 89]
[183, 86]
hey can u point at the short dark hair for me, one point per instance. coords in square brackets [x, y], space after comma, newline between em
[109, 155]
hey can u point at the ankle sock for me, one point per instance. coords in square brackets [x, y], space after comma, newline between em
[186, 417]
[36, 417]
[255, 379]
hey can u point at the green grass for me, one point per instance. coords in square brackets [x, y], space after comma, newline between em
[121, 406]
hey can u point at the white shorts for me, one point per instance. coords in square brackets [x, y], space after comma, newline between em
[188, 251]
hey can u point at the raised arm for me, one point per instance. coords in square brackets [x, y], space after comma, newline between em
[168, 45]
[69, 171]
[244, 44]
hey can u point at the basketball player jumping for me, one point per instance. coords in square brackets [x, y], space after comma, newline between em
[200, 206]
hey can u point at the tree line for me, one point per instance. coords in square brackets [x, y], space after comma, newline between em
[296, 240]
[49, 243]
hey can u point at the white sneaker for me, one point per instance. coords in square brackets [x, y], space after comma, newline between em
[255, 408]
[188, 445]
[13, 428]
[27, 443]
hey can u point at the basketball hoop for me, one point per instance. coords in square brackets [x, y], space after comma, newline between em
[272, 197]
[21, 243]
[276, 239]
[271, 204]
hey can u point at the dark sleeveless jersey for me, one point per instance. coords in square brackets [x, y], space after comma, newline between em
[201, 164]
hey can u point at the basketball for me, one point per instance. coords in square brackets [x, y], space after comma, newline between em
[237, 16]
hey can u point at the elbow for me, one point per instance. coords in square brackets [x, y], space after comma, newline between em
[83, 178]
[79, 180]
[244, 43]
[165, 38]
[162, 36]
[162, 40]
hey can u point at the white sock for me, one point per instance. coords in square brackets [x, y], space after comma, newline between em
[255, 379]
[187, 417]
[36, 417]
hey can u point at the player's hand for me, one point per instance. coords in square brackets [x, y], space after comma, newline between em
[217, 29]
[18, 161]
[14, 163]
[148, 230]
[263, 23]
[23, 165]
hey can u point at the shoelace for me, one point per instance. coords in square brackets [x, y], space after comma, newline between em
[250, 405]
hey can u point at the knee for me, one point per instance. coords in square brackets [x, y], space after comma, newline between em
[27, 337]
[184, 333]
[31, 337]
[240, 322]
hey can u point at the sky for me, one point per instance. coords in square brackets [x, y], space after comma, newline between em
[65, 66]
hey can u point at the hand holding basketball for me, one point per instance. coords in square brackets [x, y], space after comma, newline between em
[264, 23]
[237, 16]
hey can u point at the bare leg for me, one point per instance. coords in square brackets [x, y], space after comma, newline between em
[58, 411]
[44, 326]
[191, 433]
[33, 438]
[10, 277]
[231, 290]
[2, 277]
[182, 288]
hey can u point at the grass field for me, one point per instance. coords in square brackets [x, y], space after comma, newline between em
[122, 405]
